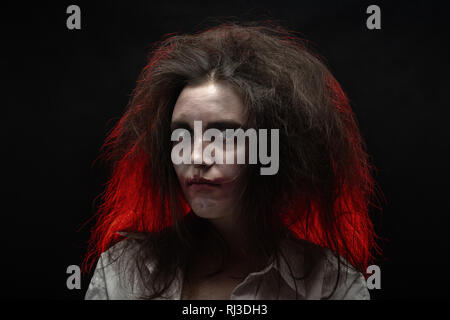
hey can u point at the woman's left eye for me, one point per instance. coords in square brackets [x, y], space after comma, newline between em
[227, 135]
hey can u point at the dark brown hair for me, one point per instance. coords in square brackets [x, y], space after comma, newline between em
[324, 186]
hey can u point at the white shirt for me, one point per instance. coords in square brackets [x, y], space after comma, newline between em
[105, 284]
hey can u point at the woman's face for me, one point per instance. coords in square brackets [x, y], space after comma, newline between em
[217, 106]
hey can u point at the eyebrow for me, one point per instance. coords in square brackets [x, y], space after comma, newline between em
[221, 124]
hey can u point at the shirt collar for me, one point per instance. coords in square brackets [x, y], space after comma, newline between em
[290, 263]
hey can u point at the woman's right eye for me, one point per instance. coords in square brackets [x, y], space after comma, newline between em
[179, 135]
[227, 134]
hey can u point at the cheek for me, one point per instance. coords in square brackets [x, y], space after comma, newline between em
[230, 170]
[231, 173]
[180, 171]
[241, 152]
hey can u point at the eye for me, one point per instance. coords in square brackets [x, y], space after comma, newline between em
[224, 135]
[227, 134]
[180, 134]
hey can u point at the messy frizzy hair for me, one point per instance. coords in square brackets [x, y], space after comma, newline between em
[321, 194]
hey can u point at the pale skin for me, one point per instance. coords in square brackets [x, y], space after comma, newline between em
[219, 106]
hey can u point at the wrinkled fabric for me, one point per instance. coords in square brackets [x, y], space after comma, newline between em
[109, 283]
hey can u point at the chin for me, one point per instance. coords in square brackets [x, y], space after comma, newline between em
[207, 208]
[205, 214]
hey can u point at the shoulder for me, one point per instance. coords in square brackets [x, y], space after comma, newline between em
[341, 280]
[326, 276]
[116, 272]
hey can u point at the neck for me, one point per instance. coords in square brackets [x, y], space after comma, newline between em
[235, 237]
[242, 259]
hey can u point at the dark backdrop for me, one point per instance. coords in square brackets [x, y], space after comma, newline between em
[65, 89]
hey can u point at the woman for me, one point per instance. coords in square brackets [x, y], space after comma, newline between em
[201, 229]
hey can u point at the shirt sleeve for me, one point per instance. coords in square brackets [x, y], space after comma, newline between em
[112, 276]
[351, 286]
[97, 286]
[357, 289]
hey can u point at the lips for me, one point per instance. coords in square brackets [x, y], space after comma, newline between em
[202, 181]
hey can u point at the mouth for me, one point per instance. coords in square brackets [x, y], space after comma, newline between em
[198, 181]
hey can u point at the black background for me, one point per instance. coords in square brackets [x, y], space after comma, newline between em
[64, 89]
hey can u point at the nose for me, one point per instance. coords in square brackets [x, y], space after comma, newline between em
[199, 159]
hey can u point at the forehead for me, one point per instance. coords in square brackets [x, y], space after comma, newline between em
[208, 102]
